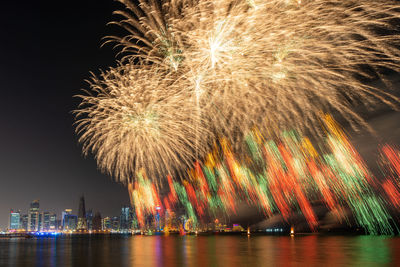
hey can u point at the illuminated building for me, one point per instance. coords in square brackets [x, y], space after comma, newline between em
[14, 223]
[133, 224]
[70, 222]
[149, 221]
[24, 222]
[47, 221]
[89, 219]
[82, 224]
[124, 219]
[115, 223]
[106, 223]
[40, 222]
[188, 225]
[33, 216]
[53, 222]
[170, 220]
[97, 222]
[158, 219]
[59, 225]
[218, 226]
[44, 221]
[237, 228]
[63, 214]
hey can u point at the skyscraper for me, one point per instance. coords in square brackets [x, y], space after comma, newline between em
[82, 224]
[70, 222]
[89, 219]
[15, 218]
[115, 223]
[124, 219]
[33, 216]
[24, 222]
[40, 222]
[157, 218]
[53, 222]
[63, 217]
[106, 223]
[96, 226]
[59, 225]
[132, 219]
[45, 221]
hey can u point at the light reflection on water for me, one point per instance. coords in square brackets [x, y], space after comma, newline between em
[194, 251]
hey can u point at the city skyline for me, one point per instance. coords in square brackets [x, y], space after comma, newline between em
[39, 222]
[59, 215]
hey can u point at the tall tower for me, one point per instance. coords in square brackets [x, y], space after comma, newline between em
[82, 224]
[33, 216]
[124, 219]
[97, 222]
[14, 223]
[89, 219]
[64, 217]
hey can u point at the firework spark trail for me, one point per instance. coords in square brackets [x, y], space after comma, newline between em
[392, 192]
[129, 125]
[144, 197]
[355, 183]
[289, 177]
[391, 168]
[393, 156]
[244, 60]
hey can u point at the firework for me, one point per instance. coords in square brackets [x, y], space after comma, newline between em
[274, 63]
[134, 119]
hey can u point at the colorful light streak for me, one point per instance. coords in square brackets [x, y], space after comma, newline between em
[287, 176]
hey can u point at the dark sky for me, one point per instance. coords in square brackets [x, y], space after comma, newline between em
[47, 51]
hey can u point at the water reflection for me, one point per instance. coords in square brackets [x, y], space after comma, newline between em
[168, 251]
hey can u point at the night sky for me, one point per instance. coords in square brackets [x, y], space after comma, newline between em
[47, 52]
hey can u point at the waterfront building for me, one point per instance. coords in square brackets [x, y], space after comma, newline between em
[40, 222]
[97, 222]
[24, 222]
[188, 225]
[33, 216]
[218, 226]
[44, 221]
[89, 219]
[47, 221]
[63, 216]
[237, 228]
[70, 222]
[106, 223]
[149, 222]
[59, 225]
[14, 223]
[115, 223]
[53, 222]
[133, 223]
[158, 219]
[82, 224]
[124, 219]
[170, 221]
